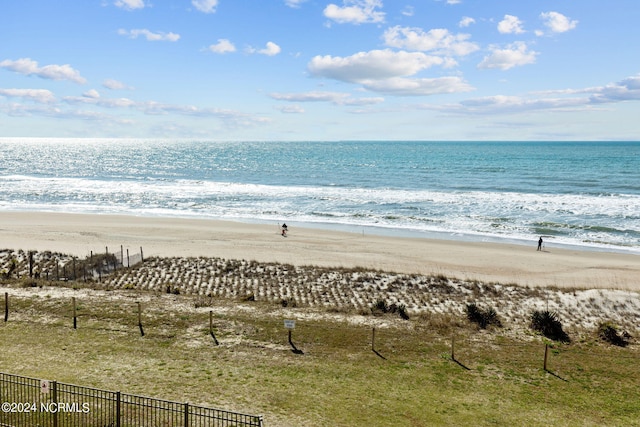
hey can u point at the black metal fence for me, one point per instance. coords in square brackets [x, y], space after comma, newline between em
[30, 402]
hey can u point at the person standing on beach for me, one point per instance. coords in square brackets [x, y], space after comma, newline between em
[540, 243]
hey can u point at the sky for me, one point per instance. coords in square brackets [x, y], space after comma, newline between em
[322, 70]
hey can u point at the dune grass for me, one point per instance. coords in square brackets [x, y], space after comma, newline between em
[336, 379]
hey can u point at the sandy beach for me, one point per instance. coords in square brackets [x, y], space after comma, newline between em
[79, 234]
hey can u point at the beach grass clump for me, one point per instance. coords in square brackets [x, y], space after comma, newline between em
[548, 324]
[380, 307]
[482, 317]
[609, 332]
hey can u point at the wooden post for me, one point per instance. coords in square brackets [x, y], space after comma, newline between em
[373, 339]
[128, 260]
[6, 306]
[211, 327]
[75, 315]
[30, 263]
[141, 256]
[140, 319]
[546, 352]
[121, 256]
[453, 347]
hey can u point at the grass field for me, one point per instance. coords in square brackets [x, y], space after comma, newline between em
[335, 379]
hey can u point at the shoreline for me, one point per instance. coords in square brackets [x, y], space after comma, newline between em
[508, 263]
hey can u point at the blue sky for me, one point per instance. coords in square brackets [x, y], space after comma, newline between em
[321, 69]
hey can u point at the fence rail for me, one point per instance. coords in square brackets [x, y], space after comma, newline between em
[30, 402]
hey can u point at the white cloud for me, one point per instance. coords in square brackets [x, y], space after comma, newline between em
[439, 40]
[115, 85]
[387, 72]
[333, 97]
[149, 35]
[466, 21]
[291, 109]
[223, 46]
[28, 67]
[336, 98]
[355, 12]
[271, 49]
[408, 11]
[400, 86]
[205, 6]
[294, 3]
[516, 54]
[154, 108]
[93, 98]
[92, 93]
[41, 96]
[510, 25]
[557, 22]
[375, 64]
[625, 90]
[454, 1]
[130, 4]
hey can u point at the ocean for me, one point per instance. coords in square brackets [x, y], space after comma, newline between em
[583, 194]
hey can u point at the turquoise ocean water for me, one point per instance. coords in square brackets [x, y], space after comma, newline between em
[583, 194]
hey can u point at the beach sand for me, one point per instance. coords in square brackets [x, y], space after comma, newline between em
[79, 234]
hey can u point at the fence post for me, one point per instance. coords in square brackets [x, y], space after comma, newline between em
[141, 256]
[121, 256]
[373, 339]
[6, 306]
[453, 347]
[75, 321]
[128, 263]
[140, 319]
[54, 397]
[546, 351]
[186, 415]
[30, 263]
[211, 327]
[117, 409]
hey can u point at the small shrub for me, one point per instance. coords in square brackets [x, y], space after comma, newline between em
[402, 311]
[381, 307]
[288, 302]
[609, 333]
[483, 318]
[548, 324]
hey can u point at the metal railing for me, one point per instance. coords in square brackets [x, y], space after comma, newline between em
[30, 402]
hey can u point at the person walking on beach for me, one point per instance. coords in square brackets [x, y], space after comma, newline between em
[540, 243]
[284, 230]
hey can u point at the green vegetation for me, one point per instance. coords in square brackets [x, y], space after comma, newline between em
[497, 378]
[548, 324]
[483, 317]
